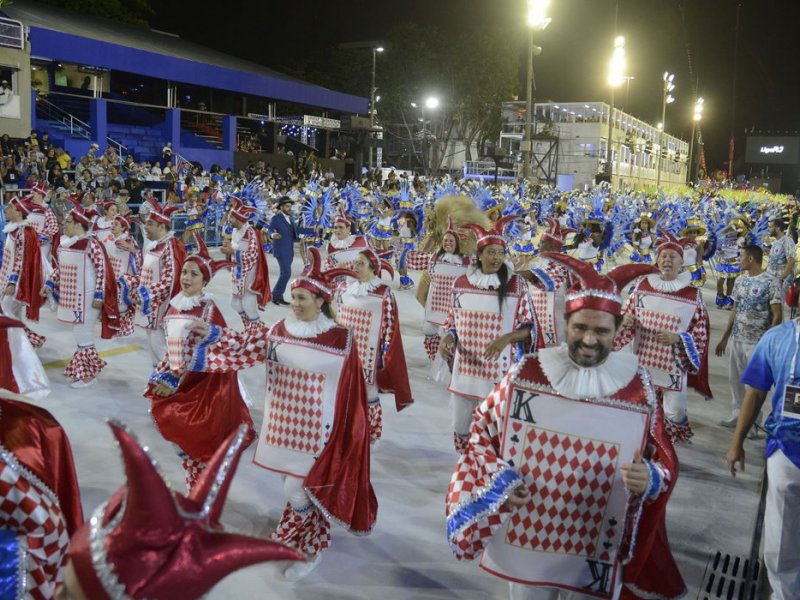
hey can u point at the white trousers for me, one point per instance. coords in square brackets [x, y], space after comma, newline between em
[247, 304]
[782, 527]
[294, 492]
[462, 413]
[84, 332]
[157, 341]
[519, 591]
[12, 308]
[740, 356]
[676, 404]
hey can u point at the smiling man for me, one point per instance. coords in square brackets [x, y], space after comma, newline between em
[563, 486]
[666, 322]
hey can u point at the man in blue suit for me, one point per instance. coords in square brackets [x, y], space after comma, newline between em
[284, 233]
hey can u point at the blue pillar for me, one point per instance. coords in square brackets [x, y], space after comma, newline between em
[98, 119]
[172, 127]
[229, 133]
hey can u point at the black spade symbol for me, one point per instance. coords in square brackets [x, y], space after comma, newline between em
[511, 462]
[515, 438]
[612, 521]
[607, 545]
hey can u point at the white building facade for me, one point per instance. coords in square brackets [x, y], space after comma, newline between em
[570, 141]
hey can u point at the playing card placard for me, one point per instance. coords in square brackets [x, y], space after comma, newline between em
[569, 455]
[177, 330]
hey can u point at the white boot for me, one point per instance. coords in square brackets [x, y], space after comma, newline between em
[300, 569]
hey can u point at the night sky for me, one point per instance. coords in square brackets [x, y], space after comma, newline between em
[660, 36]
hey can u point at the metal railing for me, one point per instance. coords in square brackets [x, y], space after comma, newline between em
[12, 33]
[51, 111]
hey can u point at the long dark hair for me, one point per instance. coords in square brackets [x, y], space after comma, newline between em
[504, 276]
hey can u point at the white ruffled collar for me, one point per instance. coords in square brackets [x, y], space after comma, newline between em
[343, 244]
[683, 280]
[453, 259]
[485, 281]
[183, 303]
[9, 227]
[361, 288]
[308, 329]
[576, 382]
[68, 242]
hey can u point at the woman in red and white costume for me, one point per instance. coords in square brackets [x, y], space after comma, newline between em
[126, 261]
[103, 223]
[314, 379]
[368, 308]
[195, 411]
[250, 275]
[21, 272]
[444, 267]
[344, 245]
[491, 324]
[44, 220]
[83, 286]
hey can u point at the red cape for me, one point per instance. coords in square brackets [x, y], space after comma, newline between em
[339, 481]
[31, 278]
[261, 283]
[109, 313]
[39, 443]
[392, 375]
[7, 379]
[699, 381]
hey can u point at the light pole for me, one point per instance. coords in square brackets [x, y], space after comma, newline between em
[537, 21]
[666, 98]
[698, 114]
[616, 75]
[372, 90]
[431, 103]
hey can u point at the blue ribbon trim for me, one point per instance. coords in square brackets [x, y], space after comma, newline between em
[542, 276]
[238, 269]
[145, 296]
[484, 504]
[98, 295]
[13, 278]
[691, 350]
[49, 283]
[9, 564]
[166, 378]
[126, 293]
[654, 489]
[199, 361]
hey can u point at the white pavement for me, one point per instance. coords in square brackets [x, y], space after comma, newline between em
[407, 555]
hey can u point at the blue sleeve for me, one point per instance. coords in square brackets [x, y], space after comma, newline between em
[758, 373]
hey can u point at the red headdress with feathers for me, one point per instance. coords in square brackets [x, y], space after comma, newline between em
[148, 542]
[317, 281]
[596, 291]
[492, 236]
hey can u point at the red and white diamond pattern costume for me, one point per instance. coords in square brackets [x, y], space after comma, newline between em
[250, 276]
[369, 310]
[657, 307]
[548, 297]
[79, 279]
[342, 253]
[39, 497]
[21, 267]
[483, 479]
[315, 422]
[46, 226]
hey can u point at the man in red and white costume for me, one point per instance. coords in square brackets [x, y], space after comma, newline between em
[83, 286]
[250, 276]
[40, 505]
[344, 245]
[44, 220]
[21, 272]
[158, 281]
[548, 281]
[368, 308]
[315, 431]
[501, 487]
[491, 324]
[666, 321]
